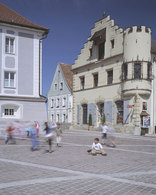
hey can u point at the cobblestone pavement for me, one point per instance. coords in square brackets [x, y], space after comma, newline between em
[130, 168]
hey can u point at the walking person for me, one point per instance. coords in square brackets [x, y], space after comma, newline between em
[49, 134]
[59, 133]
[9, 131]
[34, 138]
[104, 128]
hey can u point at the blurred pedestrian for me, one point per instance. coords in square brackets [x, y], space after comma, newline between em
[10, 131]
[34, 138]
[37, 126]
[49, 134]
[104, 128]
[111, 136]
[59, 133]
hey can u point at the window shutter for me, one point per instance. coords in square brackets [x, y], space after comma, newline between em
[126, 112]
[108, 111]
[78, 114]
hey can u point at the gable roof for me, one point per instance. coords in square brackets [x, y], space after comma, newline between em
[11, 17]
[68, 74]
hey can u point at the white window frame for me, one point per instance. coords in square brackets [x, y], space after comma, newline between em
[55, 86]
[9, 45]
[9, 79]
[52, 103]
[61, 87]
[11, 112]
[64, 102]
[58, 102]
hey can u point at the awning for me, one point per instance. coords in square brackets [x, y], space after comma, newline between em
[99, 35]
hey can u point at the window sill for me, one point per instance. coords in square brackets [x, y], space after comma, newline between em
[9, 87]
[9, 53]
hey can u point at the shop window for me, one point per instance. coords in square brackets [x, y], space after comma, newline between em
[119, 105]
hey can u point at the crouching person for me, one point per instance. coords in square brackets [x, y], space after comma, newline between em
[97, 148]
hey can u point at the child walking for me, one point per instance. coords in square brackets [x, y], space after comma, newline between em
[59, 133]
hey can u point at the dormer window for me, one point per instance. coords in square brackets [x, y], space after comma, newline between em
[82, 82]
[55, 87]
[61, 86]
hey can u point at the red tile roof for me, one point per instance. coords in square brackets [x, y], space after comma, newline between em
[9, 16]
[68, 74]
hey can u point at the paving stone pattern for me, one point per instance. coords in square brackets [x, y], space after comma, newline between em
[128, 169]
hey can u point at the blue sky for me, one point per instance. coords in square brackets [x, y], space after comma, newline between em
[70, 23]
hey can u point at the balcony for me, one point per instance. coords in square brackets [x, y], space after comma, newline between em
[133, 86]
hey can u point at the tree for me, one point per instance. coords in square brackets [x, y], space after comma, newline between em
[103, 119]
[90, 120]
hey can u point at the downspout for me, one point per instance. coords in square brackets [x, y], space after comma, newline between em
[44, 36]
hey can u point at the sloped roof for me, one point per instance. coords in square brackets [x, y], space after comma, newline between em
[153, 45]
[68, 74]
[9, 16]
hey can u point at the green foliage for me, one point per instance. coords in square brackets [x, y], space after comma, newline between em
[103, 119]
[90, 120]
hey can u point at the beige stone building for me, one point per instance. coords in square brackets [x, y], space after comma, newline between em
[114, 75]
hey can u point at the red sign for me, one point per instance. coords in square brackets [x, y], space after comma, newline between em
[129, 106]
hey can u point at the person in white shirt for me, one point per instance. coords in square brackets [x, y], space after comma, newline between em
[97, 148]
[104, 128]
[107, 134]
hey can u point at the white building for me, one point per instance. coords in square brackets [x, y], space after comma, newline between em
[21, 68]
[60, 100]
[114, 75]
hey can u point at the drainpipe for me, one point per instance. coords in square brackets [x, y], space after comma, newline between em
[44, 36]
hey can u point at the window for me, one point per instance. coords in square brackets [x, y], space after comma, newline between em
[52, 117]
[9, 112]
[137, 71]
[109, 76]
[10, 45]
[125, 71]
[64, 118]
[61, 86]
[58, 118]
[95, 77]
[119, 106]
[149, 71]
[101, 50]
[55, 87]
[58, 102]
[52, 103]
[85, 113]
[64, 102]
[112, 43]
[9, 79]
[91, 52]
[82, 82]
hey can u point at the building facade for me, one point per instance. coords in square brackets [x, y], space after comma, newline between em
[60, 100]
[21, 68]
[114, 75]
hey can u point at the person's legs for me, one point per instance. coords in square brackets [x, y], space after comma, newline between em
[93, 152]
[112, 142]
[49, 142]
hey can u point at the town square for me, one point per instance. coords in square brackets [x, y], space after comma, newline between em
[77, 97]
